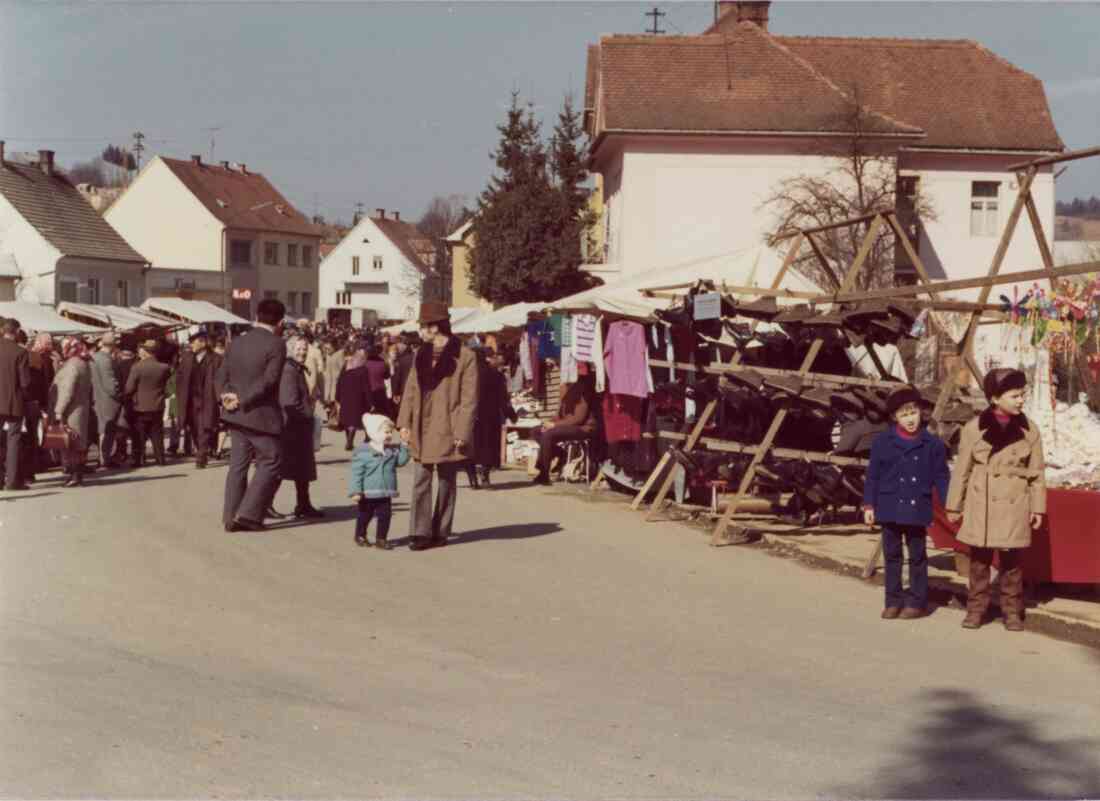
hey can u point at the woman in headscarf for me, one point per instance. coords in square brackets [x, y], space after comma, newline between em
[72, 406]
[353, 396]
[299, 463]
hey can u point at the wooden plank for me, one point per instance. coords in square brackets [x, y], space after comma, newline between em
[823, 261]
[649, 482]
[1070, 155]
[726, 446]
[881, 213]
[696, 433]
[1040, 236]
[826, 380]
[750, 474]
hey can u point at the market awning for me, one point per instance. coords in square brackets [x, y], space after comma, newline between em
[120, 318]
[513, 316]
[35, 318]
[459, 314]
[194, 312]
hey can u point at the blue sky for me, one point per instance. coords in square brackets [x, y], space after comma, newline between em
[392, 103]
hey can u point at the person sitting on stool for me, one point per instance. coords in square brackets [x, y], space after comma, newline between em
[576, 420]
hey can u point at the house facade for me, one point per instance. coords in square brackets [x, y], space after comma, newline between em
[55, 247]
[692, 134]
[378, 269]
[220, 233]
[459, 244]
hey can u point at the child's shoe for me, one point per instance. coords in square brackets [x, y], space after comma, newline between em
[361, 542]
[890, 613]
[383, 544]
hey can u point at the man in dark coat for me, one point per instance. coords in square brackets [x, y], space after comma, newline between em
[145, 386]
[106, 395]
[401, 367]
[197, 396]
[15, 380]
[494, 407]
[248, 385]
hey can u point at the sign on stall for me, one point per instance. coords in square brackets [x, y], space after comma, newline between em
[708, 306]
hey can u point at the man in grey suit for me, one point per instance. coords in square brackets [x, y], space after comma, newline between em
[248, 385]
[106, 396]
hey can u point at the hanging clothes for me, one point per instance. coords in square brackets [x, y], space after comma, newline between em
[567, 331]
[568, 366]
[533, 334]
[585, 331]
[525, 357]
[549, 337]
[627, 359]
[622, 418]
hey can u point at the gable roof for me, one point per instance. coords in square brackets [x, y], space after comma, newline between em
[743, 81]
[414, 246]
[61, 214]
[459, 234]
[960, 93]
[239, 199]
[739, 78]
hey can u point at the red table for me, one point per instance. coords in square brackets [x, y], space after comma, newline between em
[1066, 550]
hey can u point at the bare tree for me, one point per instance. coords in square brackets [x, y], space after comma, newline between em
[444, 215]
[863, 178]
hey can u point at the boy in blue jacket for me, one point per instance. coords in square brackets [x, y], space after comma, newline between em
[907, 463]
[374, 478]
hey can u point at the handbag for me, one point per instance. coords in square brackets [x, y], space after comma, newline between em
[57, 437]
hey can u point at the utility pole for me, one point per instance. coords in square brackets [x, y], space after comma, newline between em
[212, 132]
[138, 147]
[656, 14]
[358, 212]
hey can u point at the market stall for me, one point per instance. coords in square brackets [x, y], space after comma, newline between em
[35, 318]
[192, 312]
[118, 318]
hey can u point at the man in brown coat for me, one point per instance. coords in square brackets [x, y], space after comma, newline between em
[146, 385]
[15, 381]
[436, 419]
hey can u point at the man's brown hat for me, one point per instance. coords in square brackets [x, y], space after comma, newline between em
[149, 345]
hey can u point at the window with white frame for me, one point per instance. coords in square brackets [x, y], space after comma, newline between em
[292, 255]
[355, 265]
[307, 303]
[983, 208]
[240, 253]
[66, 291]
[292, 301]
[343, 298]
[307, 256]
[93, 290]
[122, 293]
[271, 253]
[374, 288]
[378, 262]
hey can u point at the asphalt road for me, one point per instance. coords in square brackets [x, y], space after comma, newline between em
[558, 648]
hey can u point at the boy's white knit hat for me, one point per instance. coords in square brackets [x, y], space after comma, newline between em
[374, 425]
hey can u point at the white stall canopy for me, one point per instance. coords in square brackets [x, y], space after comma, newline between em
[39, 319]
[120, 318]
[195, 312]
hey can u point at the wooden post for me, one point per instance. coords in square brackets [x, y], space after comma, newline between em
[666, 485]
[781, 415]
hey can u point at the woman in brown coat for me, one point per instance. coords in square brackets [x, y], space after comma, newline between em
[998, 489]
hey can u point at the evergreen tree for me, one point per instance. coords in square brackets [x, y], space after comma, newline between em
[531, 218]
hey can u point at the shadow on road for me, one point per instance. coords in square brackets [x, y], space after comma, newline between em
[25, 496]
[967, 749]
[100, 482]
[515, 532]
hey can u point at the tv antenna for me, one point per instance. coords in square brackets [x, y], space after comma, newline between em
[138, 147]
[656, 14]
[213, 132]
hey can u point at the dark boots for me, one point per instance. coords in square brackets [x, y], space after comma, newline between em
[349, 439]
[471, 475]
[1012, 589]
[977, 598]
[305, 506]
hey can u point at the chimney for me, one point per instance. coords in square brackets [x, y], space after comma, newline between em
[45, 161]
[224, 164]
[381, 213]
[397, 216]
[754, 11]
[196, 160]
[1, 151]
[244, 169]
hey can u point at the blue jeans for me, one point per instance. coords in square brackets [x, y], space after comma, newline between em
[914, 537]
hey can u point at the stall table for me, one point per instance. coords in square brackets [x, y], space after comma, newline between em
[1066, 550]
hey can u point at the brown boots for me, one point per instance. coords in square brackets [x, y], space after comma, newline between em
[1012, 589]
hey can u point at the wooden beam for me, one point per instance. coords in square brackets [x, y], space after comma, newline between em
[828, 269]
[725, 446]
[813, 379]
[666, 485]
[839, 224]
[1071, 155]
[1040, 236]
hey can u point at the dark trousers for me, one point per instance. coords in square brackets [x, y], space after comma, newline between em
[913, 537]
[32, 422]
[380, 509]
[1011, 580]
[11, 437]
[245, 499]
[549, 440]
[150, 425]
[107, 437]
[425, 520]
[202, 441]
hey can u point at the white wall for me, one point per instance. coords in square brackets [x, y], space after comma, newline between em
[36, 257]
[335, 274]
[947, 247]
[163, 221]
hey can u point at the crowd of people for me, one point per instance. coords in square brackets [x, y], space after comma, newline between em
[113, 403]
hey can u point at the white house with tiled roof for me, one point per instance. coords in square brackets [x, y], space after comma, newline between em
[692, 133]
[55, 247]
[381, 265]
[220, 233]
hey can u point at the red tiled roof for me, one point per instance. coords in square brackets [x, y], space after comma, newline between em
[61, 214]
[414, 246]
[744, 80]
[959, 92]
[241, 200]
